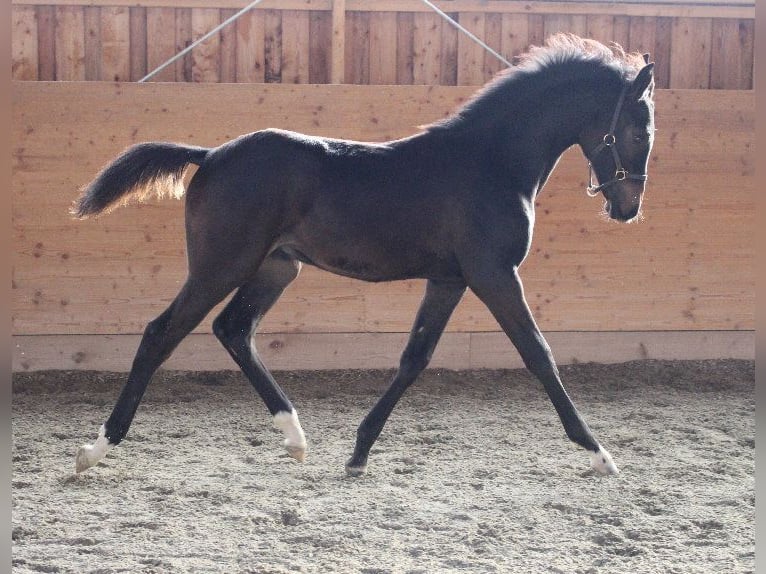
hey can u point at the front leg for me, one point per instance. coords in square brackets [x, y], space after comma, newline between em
[438, 303]
[501, 290]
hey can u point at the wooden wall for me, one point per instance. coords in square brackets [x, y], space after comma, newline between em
[689, 267]
[696, 45]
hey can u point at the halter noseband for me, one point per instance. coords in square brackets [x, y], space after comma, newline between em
[609, 142]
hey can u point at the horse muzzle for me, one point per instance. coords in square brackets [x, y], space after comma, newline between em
[623, 201]
[621, 214]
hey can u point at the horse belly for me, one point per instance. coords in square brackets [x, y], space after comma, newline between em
[370, 225]
[374, 261]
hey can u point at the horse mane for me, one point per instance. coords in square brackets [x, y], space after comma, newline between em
[564, 47]
[562, 52]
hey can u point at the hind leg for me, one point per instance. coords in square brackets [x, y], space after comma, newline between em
[160, 338]
[235, 327]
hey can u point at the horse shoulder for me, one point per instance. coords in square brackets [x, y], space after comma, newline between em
[498, 229]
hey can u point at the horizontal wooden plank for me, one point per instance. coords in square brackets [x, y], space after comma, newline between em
[290, 351]
[114, 274]
[637, 8]
[686, 8]
[218, 4]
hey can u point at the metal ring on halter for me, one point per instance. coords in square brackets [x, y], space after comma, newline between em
[620, 175]
[609, 140]
[592, 191]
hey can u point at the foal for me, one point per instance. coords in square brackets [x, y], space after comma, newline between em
[453, 204]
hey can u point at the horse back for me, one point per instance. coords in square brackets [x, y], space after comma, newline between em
[374, 211]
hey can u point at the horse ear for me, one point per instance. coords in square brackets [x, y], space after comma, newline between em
[644, 81]
[646, 58]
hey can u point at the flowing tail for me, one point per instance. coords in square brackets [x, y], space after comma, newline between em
[142, 170]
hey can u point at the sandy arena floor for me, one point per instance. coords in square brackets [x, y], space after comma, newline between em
[473, 473]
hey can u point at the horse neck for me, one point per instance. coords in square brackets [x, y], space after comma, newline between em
[537, 130]
[527, 140]
[557, 120]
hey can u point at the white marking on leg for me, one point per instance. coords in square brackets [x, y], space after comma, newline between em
[295, 440]
[89, 454]
[601, 461]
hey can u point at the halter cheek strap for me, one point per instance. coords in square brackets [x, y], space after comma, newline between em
[609, 142]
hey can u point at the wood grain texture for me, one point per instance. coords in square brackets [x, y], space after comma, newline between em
[621, 33]
[470, 59]
[319, 351]
[643, 36]
[515, 35]
[92, 47]
[383, 48]
[320, 46]
[600, 27]
[427, 49]
[536, 29]
[732, 51]
[706, 46]
[138, 49]
[114, 274]
[338, 42]
[228, 49]
[357, 57]
[24, 43]
[161, 42]
[493, 36]
[405, 51]
[183, 66]
[70, 43]
[295, 47]
[115, 44]
[682, 8]
[691, 53]
[46, 42]
[206, 56]
[449, 56]
[272, 49]
[251, 60]
[575, 24]
[662, 54]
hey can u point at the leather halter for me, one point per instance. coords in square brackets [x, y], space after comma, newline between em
[609, 142]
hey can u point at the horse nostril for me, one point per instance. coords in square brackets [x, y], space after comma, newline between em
[631, 213]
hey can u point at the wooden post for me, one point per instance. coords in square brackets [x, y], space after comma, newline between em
[338, 65]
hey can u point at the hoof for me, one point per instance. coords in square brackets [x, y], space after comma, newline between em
[84, 459]
[354, 470]
[295, 440]
[88, 455]
[297, 452]
[601, 461]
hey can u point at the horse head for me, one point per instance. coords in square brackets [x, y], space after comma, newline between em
[617, 146]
